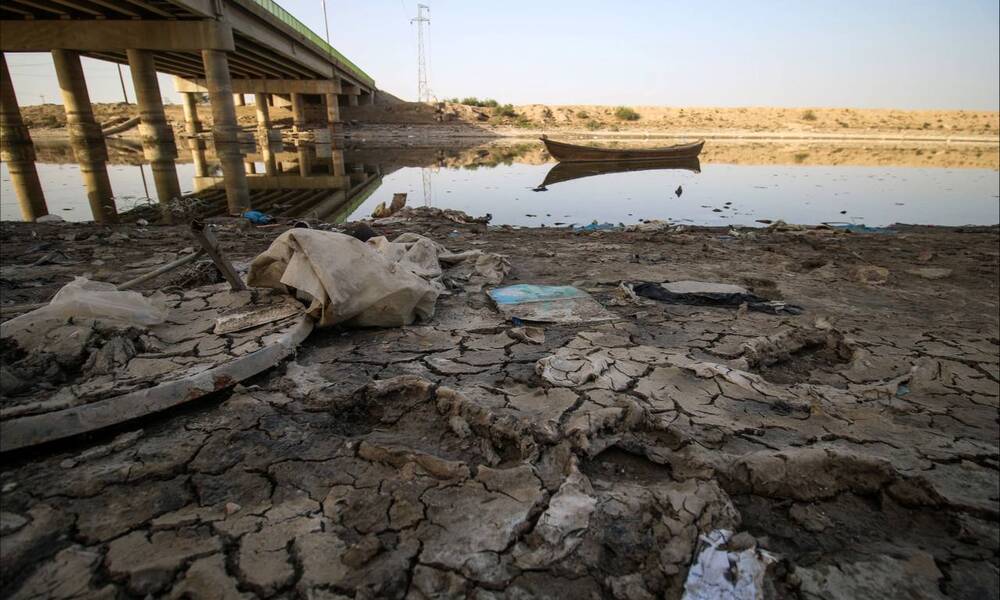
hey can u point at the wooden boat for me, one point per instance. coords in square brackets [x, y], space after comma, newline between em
[566, 171]
[564, 152]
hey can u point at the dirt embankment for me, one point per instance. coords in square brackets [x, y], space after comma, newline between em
[451, 118]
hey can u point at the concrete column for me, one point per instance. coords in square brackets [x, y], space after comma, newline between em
[263, 118]
[80, 121]
[17, 151]
[298, 112]
[332, 113]
[305, 161]
[337, 162]
[239, 100]
[225, 130]
[352, 99]
[191, 119]
[270, 162]
[197, 147]
[99, 194]
[250, 167]
[153, 126]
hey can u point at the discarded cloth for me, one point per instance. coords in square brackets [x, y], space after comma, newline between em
[721, 573]
[376, 283]
[548, 304]
[345, 279]
[700, 293]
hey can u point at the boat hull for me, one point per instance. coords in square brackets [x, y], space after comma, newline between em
[564, 152]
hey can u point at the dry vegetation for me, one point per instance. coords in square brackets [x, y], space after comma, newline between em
[492, 116]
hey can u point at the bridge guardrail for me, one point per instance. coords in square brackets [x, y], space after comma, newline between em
[288, 19]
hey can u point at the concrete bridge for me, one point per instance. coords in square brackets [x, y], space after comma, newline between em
[225, 48]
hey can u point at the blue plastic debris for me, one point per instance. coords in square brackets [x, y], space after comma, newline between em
[902, 390]
[257, 218]
[595, 226]
[548, 304]
[858, 228]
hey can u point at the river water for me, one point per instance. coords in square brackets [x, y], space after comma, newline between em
[517, 185]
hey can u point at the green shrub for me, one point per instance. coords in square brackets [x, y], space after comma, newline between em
[524, 122]
[583, 115]
[473, 101]
[626, 114]
[592, 125]
[504, 110]
[808, 116]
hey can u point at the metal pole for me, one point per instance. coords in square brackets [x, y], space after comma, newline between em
[121, 78]
[326, 23]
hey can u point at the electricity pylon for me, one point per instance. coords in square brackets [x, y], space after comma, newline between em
[423, 90]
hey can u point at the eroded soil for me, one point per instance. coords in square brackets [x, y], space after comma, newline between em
[458, 458]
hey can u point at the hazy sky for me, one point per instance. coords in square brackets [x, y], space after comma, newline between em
[847, 53]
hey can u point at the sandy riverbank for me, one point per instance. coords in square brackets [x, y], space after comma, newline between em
[855, 442]
[449, 119]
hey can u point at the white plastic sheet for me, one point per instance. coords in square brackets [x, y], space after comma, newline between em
[721, 574]
[347, 280]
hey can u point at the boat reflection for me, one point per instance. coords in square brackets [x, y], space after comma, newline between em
[566, 171]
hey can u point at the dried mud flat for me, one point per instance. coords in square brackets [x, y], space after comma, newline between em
[459, 458]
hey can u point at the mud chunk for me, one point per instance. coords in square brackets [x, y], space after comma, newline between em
[530, 335]
[872, 275]
[357, 555]
[810, 517]
[148, 564]
[66, 575]
[206, 578]
[883, 577]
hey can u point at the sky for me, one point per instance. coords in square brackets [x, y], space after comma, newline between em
[909, 54]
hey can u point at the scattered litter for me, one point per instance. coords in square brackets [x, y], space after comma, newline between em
[257, 218]
[931, 273]
[346, 280]
[702, 293]
[857, 228]
[595, 226]
[651, 226]
[528, 334]
[719, 573]
[98, 300]
[50, 219]
[245, 319]
[549, 304]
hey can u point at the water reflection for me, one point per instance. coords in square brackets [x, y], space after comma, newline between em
[306, 180]
[737, 183]
[566, 171]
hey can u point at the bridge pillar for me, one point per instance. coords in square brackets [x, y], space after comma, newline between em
[225, 130]
[197, 147]
[80, 121]
[191, 120]
[260, 102]
[85, 135]
[332, 112]
[239, 100]
[305, 160]
[298, 112]
[352, 99]
[153, 124]
[17, 151]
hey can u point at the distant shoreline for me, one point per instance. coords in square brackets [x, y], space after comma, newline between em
[394, 120]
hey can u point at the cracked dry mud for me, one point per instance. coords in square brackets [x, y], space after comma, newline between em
[460, 458]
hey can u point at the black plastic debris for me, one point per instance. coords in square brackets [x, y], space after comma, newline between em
[702, 293]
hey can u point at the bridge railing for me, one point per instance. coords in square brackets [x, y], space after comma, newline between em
[288, 19]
